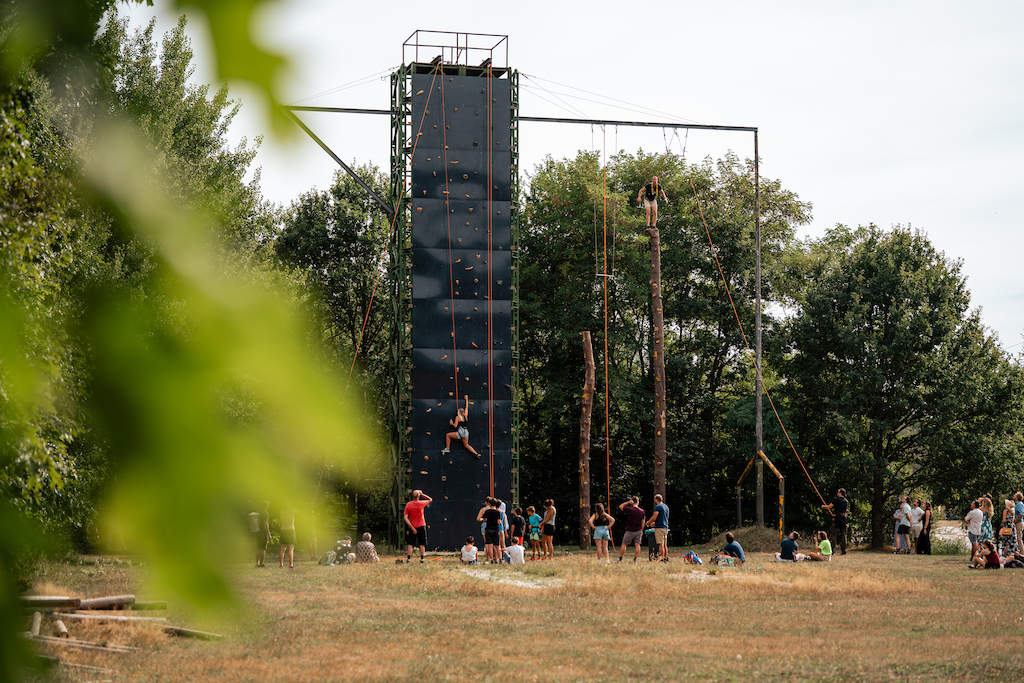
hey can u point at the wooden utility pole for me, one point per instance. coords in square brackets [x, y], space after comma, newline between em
[658, 360]
[589, 386]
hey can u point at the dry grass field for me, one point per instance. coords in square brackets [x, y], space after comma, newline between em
[865, 616]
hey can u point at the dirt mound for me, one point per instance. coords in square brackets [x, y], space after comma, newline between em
[752, 539]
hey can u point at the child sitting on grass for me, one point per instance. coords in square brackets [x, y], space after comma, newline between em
[469, 552]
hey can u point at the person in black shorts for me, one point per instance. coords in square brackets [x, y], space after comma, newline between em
[518, 525]
[650, 193]
[547, 546]
[491, 517]
[839, 507]
[634, 533]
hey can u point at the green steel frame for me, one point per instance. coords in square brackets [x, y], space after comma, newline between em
[400, 275]
[514, 84]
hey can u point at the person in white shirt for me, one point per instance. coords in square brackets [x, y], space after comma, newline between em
[973, 520]
[515, 554]
[469, 552]
[903, 530]
[916, 521]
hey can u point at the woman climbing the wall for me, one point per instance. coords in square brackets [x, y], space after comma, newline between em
[461, 425]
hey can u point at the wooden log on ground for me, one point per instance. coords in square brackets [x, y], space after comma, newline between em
[54, 661]
[77, 616]
[62, 630]
[109, 602]
[37, 620]
[49, 601]
[149, 604]
[190, 633]
[84, 645]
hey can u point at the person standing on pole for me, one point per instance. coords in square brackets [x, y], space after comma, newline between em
[650, 193]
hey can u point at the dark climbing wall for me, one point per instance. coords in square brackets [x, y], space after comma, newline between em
[461, 297]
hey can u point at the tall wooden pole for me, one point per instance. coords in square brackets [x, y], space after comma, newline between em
[589, 386]
[658, 361]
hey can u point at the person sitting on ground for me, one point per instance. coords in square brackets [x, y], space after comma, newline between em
[732, 548]
[343, 551]
[824, 551]
[365, 551]
[516, 553]
[469, 552]
[987, 557]
[788, 552]
[1014, 561]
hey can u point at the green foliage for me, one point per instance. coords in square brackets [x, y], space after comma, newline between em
[891, 372]
[942, 546]
[155, 365]
[709, 374]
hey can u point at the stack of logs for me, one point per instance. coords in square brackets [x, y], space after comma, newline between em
[76, 610]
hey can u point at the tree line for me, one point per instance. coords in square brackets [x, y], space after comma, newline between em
[164, 328]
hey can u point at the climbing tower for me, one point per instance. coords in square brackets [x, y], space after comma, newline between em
[454, 269]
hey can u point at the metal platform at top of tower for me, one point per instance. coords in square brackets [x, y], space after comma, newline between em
[454, 266]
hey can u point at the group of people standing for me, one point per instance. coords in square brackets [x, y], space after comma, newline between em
[601, 524]
[991, 549]
[259, 527]
[913, 528]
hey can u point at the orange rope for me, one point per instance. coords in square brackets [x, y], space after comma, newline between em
[757, 366]
[448, 225]
[604, 215]
[376, 281]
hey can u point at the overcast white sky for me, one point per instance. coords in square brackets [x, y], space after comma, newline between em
[876, 112]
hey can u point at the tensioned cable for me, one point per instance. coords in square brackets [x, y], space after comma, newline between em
[376, 282]
[346, 86]
[574, 112]
[448, 225]
[757, 365]
[556, 95]
[613, 99]
[607, 104]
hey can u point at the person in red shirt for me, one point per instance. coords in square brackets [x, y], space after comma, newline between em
[416, 531]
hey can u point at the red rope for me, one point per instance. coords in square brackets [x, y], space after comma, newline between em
[490, 280]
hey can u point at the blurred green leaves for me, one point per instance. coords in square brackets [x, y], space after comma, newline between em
[160, 379]
[142, 319]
